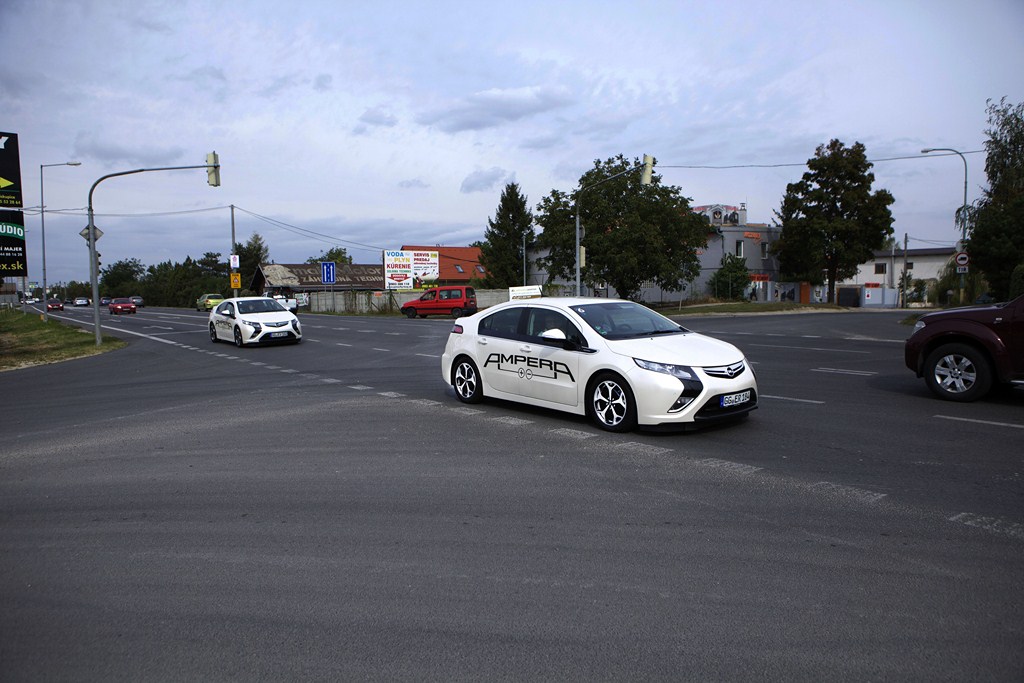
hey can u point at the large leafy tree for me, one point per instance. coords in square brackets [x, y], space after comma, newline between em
[251, 255]
[831, 220]
[996, 222]
[632, 232]
[338, 255]
[501, 252]
[122, 277]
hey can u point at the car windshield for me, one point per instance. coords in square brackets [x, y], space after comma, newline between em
[122, 301]
[259, 306]
[626, 320]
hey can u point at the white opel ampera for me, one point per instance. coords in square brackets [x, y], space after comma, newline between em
[617, 362]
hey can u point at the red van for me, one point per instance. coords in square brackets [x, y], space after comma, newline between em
[456, 300]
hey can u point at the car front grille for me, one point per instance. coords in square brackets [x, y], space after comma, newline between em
[726, 371]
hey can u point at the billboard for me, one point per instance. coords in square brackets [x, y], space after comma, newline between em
[13, 260]
[410, 269]
[10, 171]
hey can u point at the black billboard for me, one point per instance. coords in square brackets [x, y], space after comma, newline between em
[13, 261]
[10, 171]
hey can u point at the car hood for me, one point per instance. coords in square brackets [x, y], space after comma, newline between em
[268, 317]
[691, 349]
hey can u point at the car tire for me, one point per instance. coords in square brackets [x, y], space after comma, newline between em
[958, 372]
[410, 312]
[213, 334]
[456, 312]
[238, 337]
[610, 403]
[466, 381]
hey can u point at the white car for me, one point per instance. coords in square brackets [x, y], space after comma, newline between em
[615, 361]
[253, 320]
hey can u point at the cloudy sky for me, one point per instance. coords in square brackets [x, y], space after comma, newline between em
[369, 125]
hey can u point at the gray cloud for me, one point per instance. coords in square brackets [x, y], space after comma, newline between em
[378, 116]
[323, 82]
[484, 180]
[413, 183]
[88, 147]
[491, 108]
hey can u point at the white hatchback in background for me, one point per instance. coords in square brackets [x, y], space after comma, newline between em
[253, 320]
[617, 362]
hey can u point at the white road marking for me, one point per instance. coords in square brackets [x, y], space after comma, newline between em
[837, 371]
[798, 400]
[980, 422]
[993, 524]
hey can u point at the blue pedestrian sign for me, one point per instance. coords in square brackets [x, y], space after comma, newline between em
[327, 272]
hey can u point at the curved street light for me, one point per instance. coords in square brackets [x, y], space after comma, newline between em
[42, 227]
[963, 216]
[963, 209]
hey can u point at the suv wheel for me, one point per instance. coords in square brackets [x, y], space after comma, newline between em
[958, 372]
[456, 312]
[466, 381]
[410, 312]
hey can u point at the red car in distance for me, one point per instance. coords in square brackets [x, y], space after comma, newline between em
[54, 305]
[123, 305]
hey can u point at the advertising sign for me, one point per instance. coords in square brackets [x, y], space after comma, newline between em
[13, 260]
[410, 269]
[10, 171]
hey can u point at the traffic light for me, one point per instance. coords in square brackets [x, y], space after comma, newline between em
[98, 254]
[645, 176]
[213, 169]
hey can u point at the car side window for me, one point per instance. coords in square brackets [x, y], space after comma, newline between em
[542, 319]
[428, 296]
[226, 309]
[504, 324]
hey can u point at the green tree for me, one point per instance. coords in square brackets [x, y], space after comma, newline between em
[251, 256]
[338, 255]
[731, 280]
[831, 220]
[1017, 282]
[501, 252]
[996, 222]
[632, 232]
[122, 278]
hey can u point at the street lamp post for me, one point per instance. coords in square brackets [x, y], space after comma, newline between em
[42, 226]
[963, 208]
[212, 167]
[645, 179]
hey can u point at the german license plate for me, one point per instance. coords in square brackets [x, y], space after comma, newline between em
[285, 334]
[735, 399]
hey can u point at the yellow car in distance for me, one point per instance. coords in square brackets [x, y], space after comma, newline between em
[208, 301]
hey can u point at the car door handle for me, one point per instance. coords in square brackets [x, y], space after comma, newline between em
[481, 341]
[526, 348]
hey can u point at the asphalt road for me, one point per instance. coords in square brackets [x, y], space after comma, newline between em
[181, 510]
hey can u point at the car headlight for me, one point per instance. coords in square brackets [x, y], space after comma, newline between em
[680, 371]
[255, 326]
[918, 327]
[295, 325]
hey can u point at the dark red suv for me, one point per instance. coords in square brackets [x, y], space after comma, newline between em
[962, 352]
[454, 300]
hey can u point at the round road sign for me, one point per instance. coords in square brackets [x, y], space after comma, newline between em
[962, 259]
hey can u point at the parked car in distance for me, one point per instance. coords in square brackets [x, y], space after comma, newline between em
[617, 362]
[137, 300]
[208, 301]
[81, 301]
[253, 320]
[105, 300]
[121, 305]
[54, 305]
[454, 300]
[962, 352]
